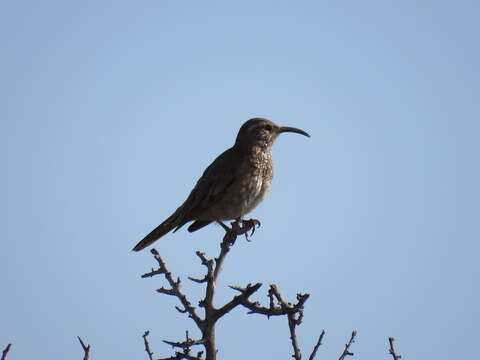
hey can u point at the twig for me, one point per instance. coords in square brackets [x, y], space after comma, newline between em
[5, 351]
[185, 345]
[277, 306]
[224, 249]
[245, 293]
[346, 351]
[147, 345]
[211, 314]
[317, 345]
[391, 351]
[207, 324]
[86, 349]
[294, 315]
[274, 310]
[175, 288]
[180, 356]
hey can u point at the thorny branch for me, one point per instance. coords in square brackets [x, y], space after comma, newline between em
[5, 351]
[391, 350]
[147, 345]
[317, 345]
[206, 324]
[185, 345]
[175, 288]
[86, 349]
[277, 306]
[346, 351]
[180, 356]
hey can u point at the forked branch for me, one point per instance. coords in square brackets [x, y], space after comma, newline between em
[206, 325]
[346, 352]
[86, 349]
[277, 305]
[391, 350]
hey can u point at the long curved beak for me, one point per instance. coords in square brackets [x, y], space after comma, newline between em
[293, 130]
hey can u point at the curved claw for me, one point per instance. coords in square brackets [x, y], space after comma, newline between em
[250, 224]
[254, 222]
[242, 227]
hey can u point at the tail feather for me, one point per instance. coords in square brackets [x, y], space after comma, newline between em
[198, 225]
[158, 232]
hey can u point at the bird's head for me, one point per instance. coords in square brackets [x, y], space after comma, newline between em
[260, 132]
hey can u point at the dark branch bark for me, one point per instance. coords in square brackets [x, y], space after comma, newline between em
[86, 349]
[180, 356]
[185, 345]
[211, 313]
[147, 345]
[175, 288]
[391, 350]
[346, 351]
[5, 351]
[207, 324]
[277, 306]
[245, 293]
[294, 316]
[317, 345]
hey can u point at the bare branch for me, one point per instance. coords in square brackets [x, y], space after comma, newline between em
[170, 292]
[277, 305]
[294, 315]
[206, 325]
[180, 356]
[5, 351]
[274, 310]
[346, 351]
[175, 288]
[199, 281]
[207, 262]
[185, 345]
[391, 351]
[317, 345]
[147, 345]
[294, 312]
[297, 355]
[86, 349]
[237, 300]
[224, 249]
[181, 311]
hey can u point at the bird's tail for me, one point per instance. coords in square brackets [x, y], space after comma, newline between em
[159, 231]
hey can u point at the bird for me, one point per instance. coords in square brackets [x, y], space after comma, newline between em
[232, 185]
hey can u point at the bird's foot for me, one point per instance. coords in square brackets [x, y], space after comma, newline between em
[242, 227]
[239, 227]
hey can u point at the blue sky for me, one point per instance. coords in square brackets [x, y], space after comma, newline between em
[111, 110]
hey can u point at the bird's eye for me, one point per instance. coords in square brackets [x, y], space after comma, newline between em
[268, 127]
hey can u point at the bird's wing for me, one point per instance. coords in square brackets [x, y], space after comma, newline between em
[212, 186]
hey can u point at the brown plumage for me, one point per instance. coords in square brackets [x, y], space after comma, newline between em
[234, 183]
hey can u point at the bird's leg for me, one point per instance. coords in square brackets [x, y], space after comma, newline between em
[225, 227]
[230, 235]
